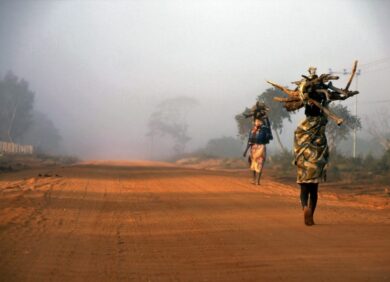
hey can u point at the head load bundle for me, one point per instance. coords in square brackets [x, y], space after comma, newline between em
[258, 111]
[316, 90]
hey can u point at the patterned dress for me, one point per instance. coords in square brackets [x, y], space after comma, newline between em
[311, 150]
[258, 138]
[258, 155]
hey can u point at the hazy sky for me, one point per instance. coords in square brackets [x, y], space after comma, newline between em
[99, 68]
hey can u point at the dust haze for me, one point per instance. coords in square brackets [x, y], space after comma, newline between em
[99, 69]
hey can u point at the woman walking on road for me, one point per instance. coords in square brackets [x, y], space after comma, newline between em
[314, 93]
[259, 136]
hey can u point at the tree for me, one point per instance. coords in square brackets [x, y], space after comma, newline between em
[277, 114]
[16, 104]
[384, 162]
[243, 124]
[42, 134]
[169, 119]
[223, 147]
[18, 120]
[337, 133]
[379, 128]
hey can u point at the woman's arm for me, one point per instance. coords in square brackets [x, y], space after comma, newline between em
[246, 150]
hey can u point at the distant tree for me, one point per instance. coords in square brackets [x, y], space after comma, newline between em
[223, 147]
[379, 128]
[18, 120]
[369, 162]
[16, 104]
[277, 115]
[42, 134]
[337, 133]
[243, 124]
[169, 119]
[384, 162]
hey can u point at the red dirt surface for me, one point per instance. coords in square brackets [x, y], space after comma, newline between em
[144, 221]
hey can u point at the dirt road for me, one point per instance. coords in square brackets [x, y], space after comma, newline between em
[156, 222]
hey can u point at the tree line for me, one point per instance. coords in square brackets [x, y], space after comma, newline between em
[20, 122]
[169, 120]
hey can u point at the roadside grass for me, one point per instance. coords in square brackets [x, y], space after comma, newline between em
[17, 162]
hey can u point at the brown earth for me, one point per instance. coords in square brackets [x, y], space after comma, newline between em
[116, 221]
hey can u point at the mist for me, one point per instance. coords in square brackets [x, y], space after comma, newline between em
[99, 69]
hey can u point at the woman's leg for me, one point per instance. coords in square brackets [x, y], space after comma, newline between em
[307, 214]
[304, 194]
[261, 164]
[313, 192]
[258, 178]
[253, 177]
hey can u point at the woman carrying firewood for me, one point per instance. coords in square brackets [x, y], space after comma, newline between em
[314, 93]
[259, 136]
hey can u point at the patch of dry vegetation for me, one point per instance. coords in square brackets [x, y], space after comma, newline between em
[210, 162]
[19, 162]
